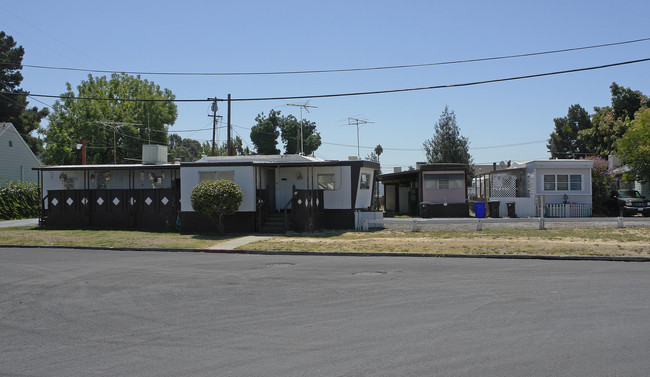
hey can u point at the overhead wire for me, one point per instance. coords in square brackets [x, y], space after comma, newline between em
[350, 94]
[318, 71]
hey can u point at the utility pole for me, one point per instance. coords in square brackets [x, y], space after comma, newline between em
[115, 125]
[229, 127]
[299, 141]
[357, 122]
[214, 116]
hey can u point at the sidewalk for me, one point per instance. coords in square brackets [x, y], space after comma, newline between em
[23, 222]
[238, 242]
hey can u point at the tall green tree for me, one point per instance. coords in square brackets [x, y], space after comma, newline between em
[447, 144]
[265, 133]
[610, 123]
[290, 133]
[634, 147]
[187, 150]
[14, 107]
[565, 141]
[118, 123]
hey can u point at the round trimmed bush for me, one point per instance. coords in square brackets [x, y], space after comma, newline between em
[216, 199]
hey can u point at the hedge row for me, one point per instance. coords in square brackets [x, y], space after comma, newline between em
[19, 200]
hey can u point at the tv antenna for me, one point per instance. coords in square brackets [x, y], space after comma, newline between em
[306, 106]
[357, 122]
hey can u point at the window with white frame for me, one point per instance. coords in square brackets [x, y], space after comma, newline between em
[576, 182]
[365, 181]
[562, 182]
[326, 182]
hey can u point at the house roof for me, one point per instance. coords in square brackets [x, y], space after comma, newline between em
[276, 160]
[253, 160]
[4, 126]
[411, 174]
[109, 167]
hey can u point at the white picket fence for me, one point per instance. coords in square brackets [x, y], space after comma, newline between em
[565, 210]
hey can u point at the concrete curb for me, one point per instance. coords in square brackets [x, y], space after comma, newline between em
[349, 254]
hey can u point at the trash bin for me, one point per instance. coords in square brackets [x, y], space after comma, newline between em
[493, 205]
[511, 209]
[479, 209]
[425, 210]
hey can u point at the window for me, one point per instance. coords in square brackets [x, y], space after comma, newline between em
[326, 182]
[365, 181]
[562, 182]
[443, 181]
[549, 183]
[11, 143]
[227, 175]
[207, 176]
[212, 175]
[576, 182]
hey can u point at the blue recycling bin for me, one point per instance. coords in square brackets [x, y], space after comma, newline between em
[479, 209]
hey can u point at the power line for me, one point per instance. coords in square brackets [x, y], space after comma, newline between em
[402, 66]
[474, 83]
[442, 86]
[410, 149]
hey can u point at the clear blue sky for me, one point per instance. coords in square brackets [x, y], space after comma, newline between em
[263, 36]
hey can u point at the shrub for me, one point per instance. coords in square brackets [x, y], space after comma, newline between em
[216, 199]
[602, 182]
[19, 200]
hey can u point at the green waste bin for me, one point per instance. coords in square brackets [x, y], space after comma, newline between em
[493, 205]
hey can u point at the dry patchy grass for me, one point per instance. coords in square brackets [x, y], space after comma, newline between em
[615, 242]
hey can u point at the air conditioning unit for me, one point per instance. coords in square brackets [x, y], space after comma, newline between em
[153, 154]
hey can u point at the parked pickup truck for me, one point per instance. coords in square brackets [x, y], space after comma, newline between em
[628, 203]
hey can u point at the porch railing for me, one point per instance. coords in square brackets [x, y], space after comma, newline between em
[564, 210]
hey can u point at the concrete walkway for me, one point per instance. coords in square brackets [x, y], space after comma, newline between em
[238, 242]
[23, 222]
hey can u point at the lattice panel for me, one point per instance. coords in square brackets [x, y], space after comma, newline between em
[504, 186]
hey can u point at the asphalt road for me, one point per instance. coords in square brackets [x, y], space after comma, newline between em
[124, 313]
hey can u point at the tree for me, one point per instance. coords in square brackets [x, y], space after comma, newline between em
[13, 100]
[610, 123]
[264, 134]
[565, 141]
[447, 145]
[187, 150]
[602, 181]
[290, 135]
[634, 148]
[216, 199]
[374, 156]
[222, 150]
[119, 124]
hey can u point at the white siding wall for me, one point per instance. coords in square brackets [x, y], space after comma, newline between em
[340, 197]
[364, 196]
[556, 196]
[18, 160]
[244, 177]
